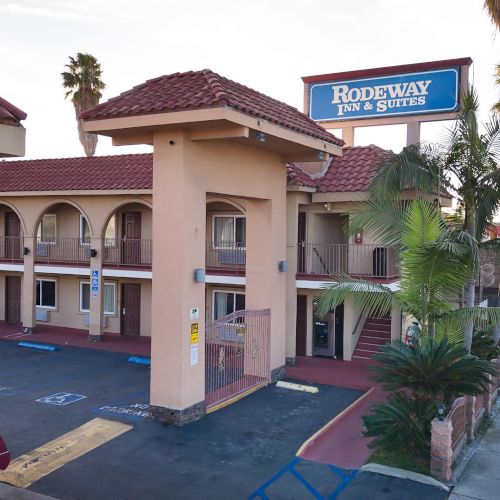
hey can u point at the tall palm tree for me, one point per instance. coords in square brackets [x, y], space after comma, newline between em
[83, 83]
[467, 166]
[435, 264]
[493, 9]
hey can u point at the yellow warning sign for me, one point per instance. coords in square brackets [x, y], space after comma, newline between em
[194, 333]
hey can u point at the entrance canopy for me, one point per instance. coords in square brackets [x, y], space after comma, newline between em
[210, 107]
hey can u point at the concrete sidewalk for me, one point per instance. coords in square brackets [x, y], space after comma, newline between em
[481, 477]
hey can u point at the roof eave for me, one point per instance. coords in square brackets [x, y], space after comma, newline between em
[194, 118]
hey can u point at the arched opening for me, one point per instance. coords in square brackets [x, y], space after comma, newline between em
[11, 235]
[62, 234]
[226, 237]
[127, 235]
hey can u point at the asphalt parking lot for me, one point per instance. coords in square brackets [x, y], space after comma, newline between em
[245, 450]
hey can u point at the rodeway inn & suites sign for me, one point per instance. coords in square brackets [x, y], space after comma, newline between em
[403, 94]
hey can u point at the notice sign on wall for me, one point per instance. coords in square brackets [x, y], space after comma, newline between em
[405, 94]
[94, 284]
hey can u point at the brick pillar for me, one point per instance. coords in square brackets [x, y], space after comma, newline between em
[488, 397]
[441, 450]
[470, 417]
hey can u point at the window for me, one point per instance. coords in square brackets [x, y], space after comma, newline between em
[229, 230]
[47, 229]
[110, 233]
[46, 293]
[225, 303]
[109, 297]
[84, 231]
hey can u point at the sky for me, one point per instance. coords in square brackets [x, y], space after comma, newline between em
[265, 44]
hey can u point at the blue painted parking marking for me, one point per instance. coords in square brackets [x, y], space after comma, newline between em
[61, 398]
[290, 470]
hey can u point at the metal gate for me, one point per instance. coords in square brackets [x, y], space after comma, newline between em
[237, 354]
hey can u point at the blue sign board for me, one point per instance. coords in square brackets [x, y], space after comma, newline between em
[385, 96]
[94, 285]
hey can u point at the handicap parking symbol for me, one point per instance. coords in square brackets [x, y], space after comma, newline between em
[61, 398]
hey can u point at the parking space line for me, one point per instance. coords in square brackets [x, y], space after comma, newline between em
[32, 466]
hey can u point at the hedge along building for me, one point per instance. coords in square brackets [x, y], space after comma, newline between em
[210, 136]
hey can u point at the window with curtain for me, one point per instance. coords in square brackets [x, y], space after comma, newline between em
[225, 303]
[110, 233]
[109, 298]
[228, 230]
[46, 232]
[84, 231]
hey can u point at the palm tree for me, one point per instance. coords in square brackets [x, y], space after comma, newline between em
[493, 9]
[84, 84]
[467, 167]
[435, 264]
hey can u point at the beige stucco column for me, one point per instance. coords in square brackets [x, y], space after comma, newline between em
[29, 286]
[96, 292]
[177, 365]
[265, 284]
[293, 200]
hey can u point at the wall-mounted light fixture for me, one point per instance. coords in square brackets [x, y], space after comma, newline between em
[199, 275]
[26, 251]
[283, 266]
[320, 155]
[93, 252]
[358, 237]
[260, 136]
[328, 206]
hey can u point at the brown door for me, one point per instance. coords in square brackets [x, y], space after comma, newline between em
[131, 309]
[12, 232]
[13, 299]
[301, 328]
[131, 234]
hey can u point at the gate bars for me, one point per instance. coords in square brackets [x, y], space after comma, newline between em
[237, 354]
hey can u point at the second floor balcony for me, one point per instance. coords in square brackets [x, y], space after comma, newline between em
[356, 260]
[119, 253]
[11, 249]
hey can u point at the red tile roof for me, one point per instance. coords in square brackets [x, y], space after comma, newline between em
[9, 112]
[133, 171]
[351, 172]
[205, 89]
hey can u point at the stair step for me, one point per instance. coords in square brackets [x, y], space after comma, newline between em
[365, 352]
[377, 326]
[376, 333]
[368, 346]
[373, 340]
[380, 321]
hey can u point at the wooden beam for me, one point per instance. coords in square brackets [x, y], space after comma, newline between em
[133, 140]
[208, 134]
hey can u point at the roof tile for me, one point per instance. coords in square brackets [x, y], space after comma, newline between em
[205, 89]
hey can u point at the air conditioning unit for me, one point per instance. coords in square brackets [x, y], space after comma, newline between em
[42, 315]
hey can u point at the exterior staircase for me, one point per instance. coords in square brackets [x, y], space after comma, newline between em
[376, 332]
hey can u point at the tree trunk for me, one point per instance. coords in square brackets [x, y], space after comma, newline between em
[470, 287]
[88, 141]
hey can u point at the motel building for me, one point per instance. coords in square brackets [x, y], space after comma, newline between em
[214, 246]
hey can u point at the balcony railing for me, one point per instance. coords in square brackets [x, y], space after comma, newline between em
[11, 249]
[128, 253]
[63, 251]
[226, 257]
[373, 261]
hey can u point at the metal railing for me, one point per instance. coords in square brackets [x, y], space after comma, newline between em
[225, 256]
[127, 252]
[237, 354]
[74, 251]
[11, 249]
[375, 261]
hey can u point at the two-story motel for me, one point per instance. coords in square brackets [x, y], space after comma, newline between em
[240, 210]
